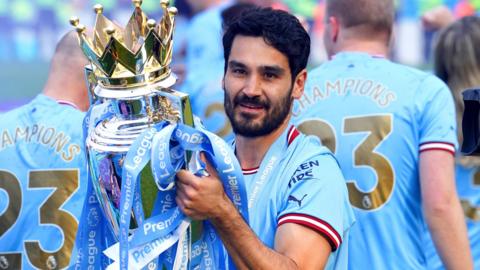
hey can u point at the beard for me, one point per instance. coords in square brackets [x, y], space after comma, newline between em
[246, 125]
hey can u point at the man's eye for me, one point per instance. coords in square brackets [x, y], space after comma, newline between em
[269, 75]
[238, 71]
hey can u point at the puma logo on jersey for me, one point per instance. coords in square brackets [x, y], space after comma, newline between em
[291, 198]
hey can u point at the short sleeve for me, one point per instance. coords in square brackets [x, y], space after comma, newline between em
[436, 116]
[317, 198]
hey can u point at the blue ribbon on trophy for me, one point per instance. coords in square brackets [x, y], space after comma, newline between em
[163, 229]
[159, 232]
[93, 232]
[136, 119]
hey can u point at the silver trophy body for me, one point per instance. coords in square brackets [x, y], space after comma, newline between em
[134, 110]
[129, 75]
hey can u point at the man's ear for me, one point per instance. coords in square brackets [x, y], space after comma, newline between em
[334, 28]
[299, 84]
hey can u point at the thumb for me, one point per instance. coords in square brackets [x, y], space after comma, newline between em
[209, 167]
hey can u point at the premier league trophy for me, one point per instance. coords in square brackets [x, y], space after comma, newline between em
[133, 115]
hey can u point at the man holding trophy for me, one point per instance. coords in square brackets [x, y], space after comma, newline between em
[140, 216]
[293, 183]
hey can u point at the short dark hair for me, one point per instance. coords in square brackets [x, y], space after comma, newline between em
[279, 29]
[231, 13]
[374, 15]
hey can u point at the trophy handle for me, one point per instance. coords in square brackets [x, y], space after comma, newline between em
[196, 227]
[91, 84]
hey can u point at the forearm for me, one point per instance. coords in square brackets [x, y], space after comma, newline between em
[447, 227]
[247, 251]
[204, 198]
[442, 209]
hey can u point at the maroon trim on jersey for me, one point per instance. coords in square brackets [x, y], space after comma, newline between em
[250, 171]
[68, 103]
[321, 226]
[292, 135]
[443, 146]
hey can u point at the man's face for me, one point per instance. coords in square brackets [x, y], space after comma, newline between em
[258, 87]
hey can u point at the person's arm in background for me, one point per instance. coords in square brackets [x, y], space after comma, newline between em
[442, 209]
[437, 18]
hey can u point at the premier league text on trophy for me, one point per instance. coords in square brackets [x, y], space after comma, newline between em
[136, 119]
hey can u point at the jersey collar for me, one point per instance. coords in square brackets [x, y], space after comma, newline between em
[292, 134]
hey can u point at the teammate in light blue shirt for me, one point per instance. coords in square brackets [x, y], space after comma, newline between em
[43, 168]
[204, 56]
[298, 207]
[204, 63]
[456, 63]
[392, 128]
[468, 187]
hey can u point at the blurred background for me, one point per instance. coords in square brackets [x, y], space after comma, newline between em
[29, 30]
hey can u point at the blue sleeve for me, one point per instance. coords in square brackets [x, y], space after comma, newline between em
[317, 198]
[436, 116]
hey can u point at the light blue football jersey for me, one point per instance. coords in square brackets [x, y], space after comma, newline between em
[42, 184]
[208, 105]
[376, 117]
[204, 52]
[299, 181]
[468, 188]
[204, 64]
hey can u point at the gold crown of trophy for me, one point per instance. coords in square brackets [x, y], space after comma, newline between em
[130, 71]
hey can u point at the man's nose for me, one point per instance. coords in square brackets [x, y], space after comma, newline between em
[253, 86]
